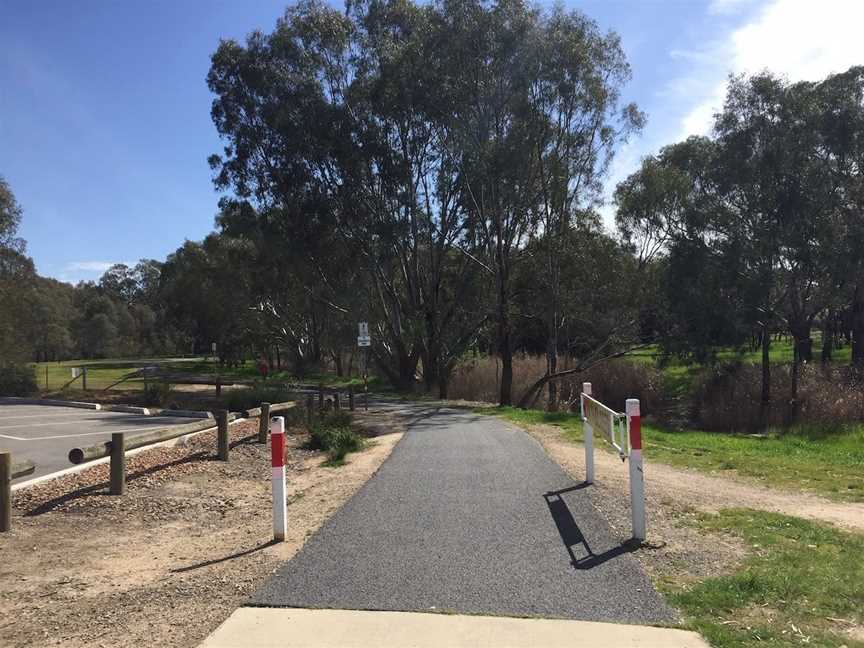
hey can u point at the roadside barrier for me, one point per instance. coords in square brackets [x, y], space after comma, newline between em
[119, 444]
[624, 433]
[8, 472]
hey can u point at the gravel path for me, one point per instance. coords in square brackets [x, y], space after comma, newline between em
[468, 515]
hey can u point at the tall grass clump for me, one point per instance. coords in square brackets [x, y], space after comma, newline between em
[727, 397]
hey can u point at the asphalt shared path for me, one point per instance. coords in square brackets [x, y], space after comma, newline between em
[468, 515]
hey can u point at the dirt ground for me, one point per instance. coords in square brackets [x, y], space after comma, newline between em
[676, 551]
[170, 560]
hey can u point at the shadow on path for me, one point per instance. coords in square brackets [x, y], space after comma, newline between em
[572, 536]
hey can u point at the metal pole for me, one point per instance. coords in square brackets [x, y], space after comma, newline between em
[222, 434]
[588, 436]
[277, 462]
[263, 423]
[637, 476]
[5, 491]
[84, 378]
[118, 463]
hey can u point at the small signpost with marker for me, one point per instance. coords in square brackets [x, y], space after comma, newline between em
[364, 342]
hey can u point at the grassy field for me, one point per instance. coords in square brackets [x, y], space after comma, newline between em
[802, 583]
[808, 459]
[52, 376]
[780, 352]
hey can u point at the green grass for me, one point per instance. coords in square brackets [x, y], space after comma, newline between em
[830, 463]
[801, 583]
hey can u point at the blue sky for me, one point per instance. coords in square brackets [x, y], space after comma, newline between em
[104, 110]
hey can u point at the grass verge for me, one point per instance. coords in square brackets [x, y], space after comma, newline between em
[826, 462]
[802, 583]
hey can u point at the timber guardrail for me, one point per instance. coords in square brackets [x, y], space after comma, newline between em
[8, 472]
[119, 444]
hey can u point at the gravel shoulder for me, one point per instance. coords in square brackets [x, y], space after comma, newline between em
[169, 561]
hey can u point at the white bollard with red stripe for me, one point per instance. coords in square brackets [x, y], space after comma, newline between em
[588, 437]
[637, 477]
[277, 454]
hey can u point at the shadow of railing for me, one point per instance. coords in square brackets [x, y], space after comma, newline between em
[572, 536]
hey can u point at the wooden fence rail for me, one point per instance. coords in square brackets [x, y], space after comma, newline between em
[119, 444]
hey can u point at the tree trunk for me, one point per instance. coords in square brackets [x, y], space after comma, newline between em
[337, 360]
[505, 348]
[765, 403]
[828, 337]
[552, 362]
[858, 326]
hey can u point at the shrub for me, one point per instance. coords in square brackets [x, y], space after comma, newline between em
[332, 433]
[247, 398]
[156, 394]
[17, 380]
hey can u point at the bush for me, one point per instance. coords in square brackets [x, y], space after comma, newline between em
[156, 394]
[17, 380]
[332, 433]
[242, 398]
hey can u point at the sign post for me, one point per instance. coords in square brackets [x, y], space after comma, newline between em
[364, 342]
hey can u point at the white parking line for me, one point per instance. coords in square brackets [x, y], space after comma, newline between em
[20, 416]
[32, 425]
[66, 436]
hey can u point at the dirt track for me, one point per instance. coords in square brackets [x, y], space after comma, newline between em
[169, 561]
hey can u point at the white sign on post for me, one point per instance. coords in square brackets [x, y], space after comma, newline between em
[76, 372]
[363, 339]
[213, 347]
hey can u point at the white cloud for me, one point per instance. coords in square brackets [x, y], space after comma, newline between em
[89, 266]
[798, 39]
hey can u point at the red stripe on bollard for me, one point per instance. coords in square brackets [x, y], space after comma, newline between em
[277, 450]
[636, 432]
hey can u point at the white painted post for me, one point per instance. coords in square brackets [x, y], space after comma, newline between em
[637, 476]
[588, 437]
[277, 455]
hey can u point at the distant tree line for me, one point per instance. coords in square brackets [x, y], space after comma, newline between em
[435, 169]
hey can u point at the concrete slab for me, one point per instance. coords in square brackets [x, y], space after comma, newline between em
[296, 628]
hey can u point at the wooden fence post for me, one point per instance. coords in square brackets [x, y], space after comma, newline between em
[264, 423]
[351, 397]
[222, 441]
[5, 491]
[118, 463]
[84, 378]
[321, 396]
[218, 386]
[336, 401]
[310, 410]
